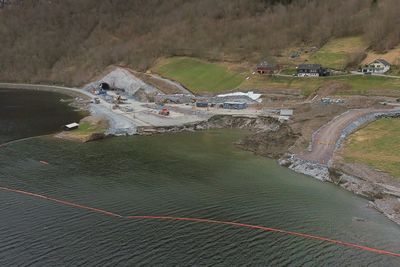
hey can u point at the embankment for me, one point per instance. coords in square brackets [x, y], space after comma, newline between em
[383, 192]
[268, 136]
[384, 195]
[90, 128]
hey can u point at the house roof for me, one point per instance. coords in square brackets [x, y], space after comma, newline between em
[266, 64]
[309, 66]
[383, 61]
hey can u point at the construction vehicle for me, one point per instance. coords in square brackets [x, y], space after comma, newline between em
[164, 112]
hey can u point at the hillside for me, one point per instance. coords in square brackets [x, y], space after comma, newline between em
[200, 76]
[69, 42]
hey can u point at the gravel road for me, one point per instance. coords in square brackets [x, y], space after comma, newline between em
[325, 140]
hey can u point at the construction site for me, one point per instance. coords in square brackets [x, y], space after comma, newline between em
[129, 103]
[305, 133]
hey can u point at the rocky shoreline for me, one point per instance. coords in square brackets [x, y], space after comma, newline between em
[382, 197]
[271, 138]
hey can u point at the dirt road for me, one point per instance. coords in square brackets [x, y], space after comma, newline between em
[324, 141]
[177, 85]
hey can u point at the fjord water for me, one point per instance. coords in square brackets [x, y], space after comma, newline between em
[200, 175]
[26, 113]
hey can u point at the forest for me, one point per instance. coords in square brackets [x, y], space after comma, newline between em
[67, 42]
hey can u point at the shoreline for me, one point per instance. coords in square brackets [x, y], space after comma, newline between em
[383, 196]
[322, 172]
[74, 92]
[118, 123]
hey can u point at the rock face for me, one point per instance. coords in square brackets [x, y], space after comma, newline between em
[318, 171]
[272, 143]
[123, 79]
[383, 195]
[255, 124]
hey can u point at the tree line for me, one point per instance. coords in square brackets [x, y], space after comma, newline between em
[69, 41]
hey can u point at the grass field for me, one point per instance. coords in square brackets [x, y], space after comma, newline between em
[263, 83]
[377, 145]
[87, 128]
[200, 76]
[370, 85]
[357, 84]
[204, 77]
[336, 53]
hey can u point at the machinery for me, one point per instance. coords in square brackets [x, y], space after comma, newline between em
[164, 112]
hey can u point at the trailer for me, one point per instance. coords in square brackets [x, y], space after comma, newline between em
[202, 104]
[71, 126]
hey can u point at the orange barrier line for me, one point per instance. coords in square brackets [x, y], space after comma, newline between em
[67, 203]
[268, 229]
[209, 221]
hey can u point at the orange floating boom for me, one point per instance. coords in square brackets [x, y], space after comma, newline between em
[208, 221]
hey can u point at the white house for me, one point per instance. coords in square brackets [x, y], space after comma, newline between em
[378, 66]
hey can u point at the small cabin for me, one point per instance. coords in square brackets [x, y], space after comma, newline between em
[311, 70]
[379, 66]
[71, 126]
[266, 67]
[235, 105]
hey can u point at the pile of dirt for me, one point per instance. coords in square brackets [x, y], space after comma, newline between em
[165, 87]
[328, 89]
[255, 123]
[120, 78]
[271, 144]
[142, 96]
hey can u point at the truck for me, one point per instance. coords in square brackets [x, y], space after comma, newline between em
[164, 112]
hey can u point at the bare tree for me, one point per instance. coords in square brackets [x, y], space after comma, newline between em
[70, 40]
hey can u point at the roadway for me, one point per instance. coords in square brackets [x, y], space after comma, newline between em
[323, 144]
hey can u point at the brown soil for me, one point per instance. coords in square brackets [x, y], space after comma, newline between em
[159, 84]
[329, 89]
[272, 144]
